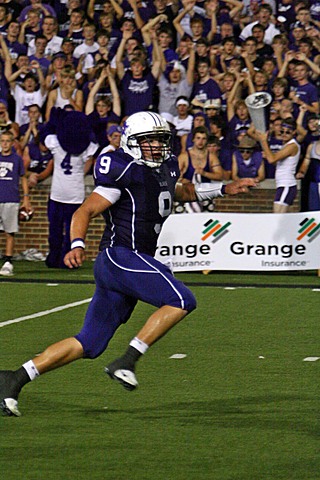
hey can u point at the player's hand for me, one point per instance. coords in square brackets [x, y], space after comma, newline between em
[240, 186]
[74, 258]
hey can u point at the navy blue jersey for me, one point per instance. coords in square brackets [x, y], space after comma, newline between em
[136, 219]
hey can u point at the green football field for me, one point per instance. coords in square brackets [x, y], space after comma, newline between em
[231, 393]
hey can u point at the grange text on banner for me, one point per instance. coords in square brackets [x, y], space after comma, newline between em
[236, 241]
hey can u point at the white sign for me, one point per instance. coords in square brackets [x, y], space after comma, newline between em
[236, 241]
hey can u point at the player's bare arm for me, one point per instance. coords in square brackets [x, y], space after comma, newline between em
[93, 206]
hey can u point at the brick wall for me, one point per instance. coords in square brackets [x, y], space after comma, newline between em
[34, 234]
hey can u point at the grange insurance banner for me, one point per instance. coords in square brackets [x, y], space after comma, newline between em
[236, 241]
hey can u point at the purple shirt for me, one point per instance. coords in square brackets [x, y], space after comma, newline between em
[11, 169]
[249, 170]
[206, 91]
[308, 93]
[137, 93]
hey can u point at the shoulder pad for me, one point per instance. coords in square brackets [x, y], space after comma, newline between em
[110, 168]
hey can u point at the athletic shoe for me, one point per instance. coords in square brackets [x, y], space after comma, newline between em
[9, 392]
[7, 269]
[117, 371]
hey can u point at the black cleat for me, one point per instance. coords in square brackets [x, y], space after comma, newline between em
[9, 392]
[126, 377]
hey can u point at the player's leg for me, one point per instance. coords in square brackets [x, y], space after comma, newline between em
[55, 356]
[153, 283]
[106, 312]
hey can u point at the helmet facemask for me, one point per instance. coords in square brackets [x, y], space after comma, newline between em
[154, 147]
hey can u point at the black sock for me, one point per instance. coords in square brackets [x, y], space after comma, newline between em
[22, 377]
[7, 258]
[131, 356]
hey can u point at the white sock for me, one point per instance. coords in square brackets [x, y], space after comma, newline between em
[31, 370]
[139, 345]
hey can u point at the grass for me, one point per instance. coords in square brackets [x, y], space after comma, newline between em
[242, 404]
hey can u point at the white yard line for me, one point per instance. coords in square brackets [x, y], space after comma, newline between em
[44, 312]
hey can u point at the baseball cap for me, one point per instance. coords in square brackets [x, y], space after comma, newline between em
[58, 55]
[113, 129]
[67, 39]
[213, 103]
[298, 25]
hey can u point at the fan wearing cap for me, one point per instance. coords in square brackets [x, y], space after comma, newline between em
[297, 33]
[247, 162]
[286, 161]
[212, 107]
[114, 136]
[58, 62]
[67, 47]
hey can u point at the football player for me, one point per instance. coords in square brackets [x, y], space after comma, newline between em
[135, 188]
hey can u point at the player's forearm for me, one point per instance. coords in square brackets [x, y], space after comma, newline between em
[188, 192]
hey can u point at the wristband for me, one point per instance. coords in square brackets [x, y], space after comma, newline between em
[78, 243]
[208, 191]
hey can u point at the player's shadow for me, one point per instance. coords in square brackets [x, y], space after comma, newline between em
[277, 412]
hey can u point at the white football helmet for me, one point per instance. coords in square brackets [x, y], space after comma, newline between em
[147, 127]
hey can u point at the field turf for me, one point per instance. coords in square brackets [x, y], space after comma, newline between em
[241, 404]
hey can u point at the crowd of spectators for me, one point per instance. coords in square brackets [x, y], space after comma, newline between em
[194, 62]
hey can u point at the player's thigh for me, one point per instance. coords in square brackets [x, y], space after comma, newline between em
[144, 278]
[106, 312]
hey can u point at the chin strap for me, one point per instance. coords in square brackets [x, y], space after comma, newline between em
[208, 191]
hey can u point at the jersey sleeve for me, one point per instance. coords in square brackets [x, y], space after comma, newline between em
[110, 170]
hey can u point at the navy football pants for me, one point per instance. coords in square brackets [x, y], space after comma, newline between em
[122, 278]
